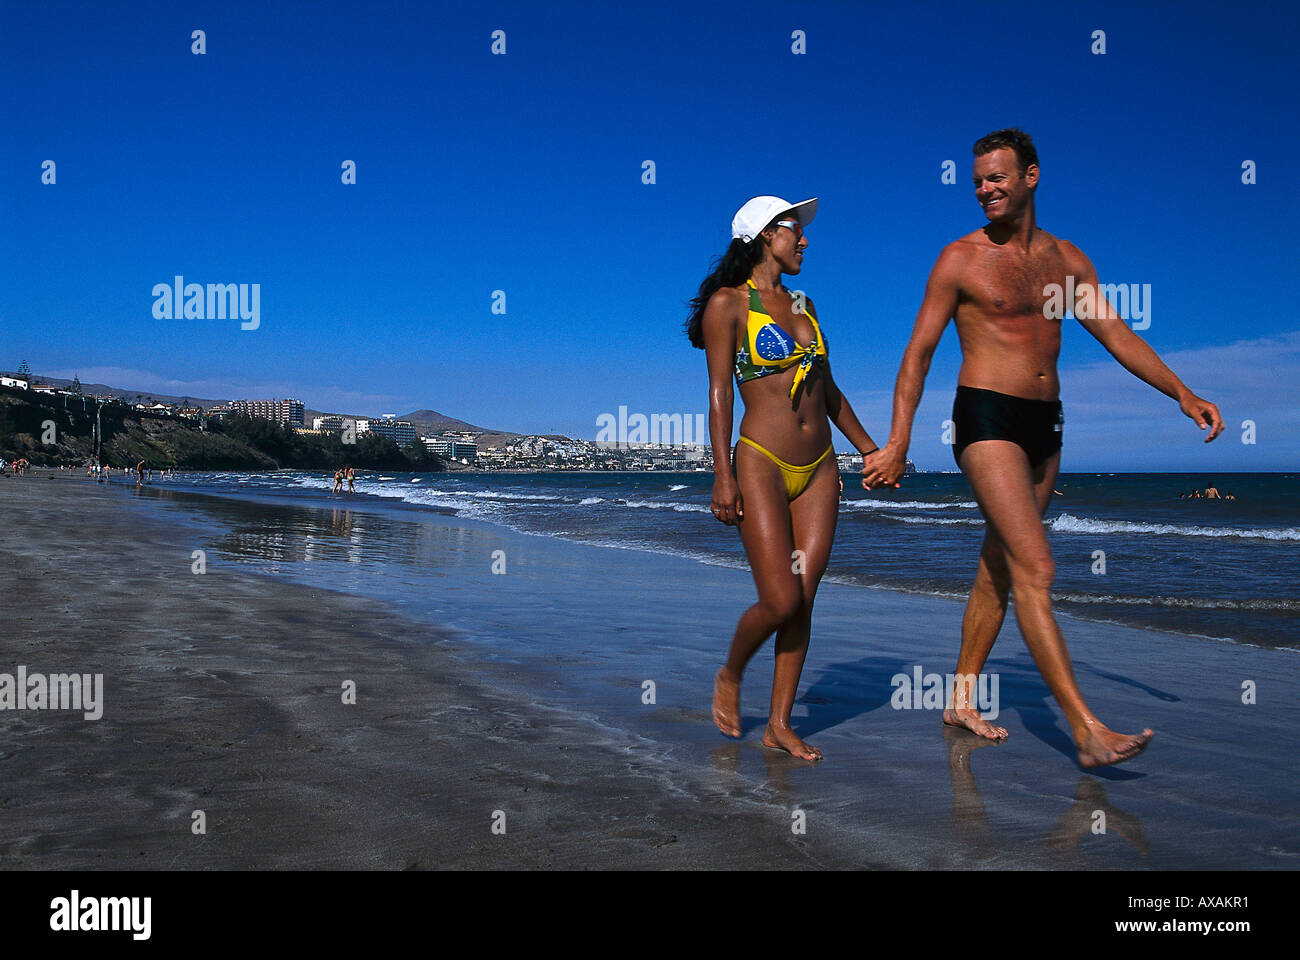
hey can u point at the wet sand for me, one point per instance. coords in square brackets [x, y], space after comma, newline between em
[223, 694]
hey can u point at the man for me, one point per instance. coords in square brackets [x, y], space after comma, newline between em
[997, 284]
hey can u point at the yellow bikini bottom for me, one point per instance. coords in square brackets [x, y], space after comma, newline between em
[796, 478]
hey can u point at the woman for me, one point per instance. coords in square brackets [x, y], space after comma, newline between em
[784, 491]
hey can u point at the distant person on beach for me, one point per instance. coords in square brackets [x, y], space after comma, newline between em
[352, 476]
[783, 493]
[139, 473]
[1211, 491]
[996, 282]
[338, 480]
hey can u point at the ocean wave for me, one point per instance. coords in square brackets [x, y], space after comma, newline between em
[665, 505]
[945, 521]
[375, 489]
[1191, 603]
[645, 546]
[588, 501]
[676, 486]
[1067, 523]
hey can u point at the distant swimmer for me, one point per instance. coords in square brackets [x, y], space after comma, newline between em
[997, 283]
[782, 491]
[1229, 496]
[1211, 491]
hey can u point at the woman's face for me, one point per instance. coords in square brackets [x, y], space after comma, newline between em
[787, 242]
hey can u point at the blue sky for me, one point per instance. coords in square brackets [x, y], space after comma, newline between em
[523, 173]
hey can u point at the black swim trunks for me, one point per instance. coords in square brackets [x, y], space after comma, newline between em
[987, 415]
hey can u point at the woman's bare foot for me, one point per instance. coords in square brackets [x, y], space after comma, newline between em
[726, 703]
[783, 738]
[1101, 746]
[972, 721]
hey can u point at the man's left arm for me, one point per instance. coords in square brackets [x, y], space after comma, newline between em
[1136, 356]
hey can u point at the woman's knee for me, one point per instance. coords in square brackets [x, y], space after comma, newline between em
[783, 603]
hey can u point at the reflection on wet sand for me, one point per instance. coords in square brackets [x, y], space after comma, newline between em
[777, 763]
[277, 533]
[1090, 813]
[967, 804]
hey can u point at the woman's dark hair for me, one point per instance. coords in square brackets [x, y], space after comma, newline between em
[729, 270]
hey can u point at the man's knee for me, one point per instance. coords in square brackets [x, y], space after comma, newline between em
[995, 565]
[1035, 572]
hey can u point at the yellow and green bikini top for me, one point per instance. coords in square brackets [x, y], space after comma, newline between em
[769, 349]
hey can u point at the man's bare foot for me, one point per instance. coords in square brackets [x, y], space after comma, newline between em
[726, 704]
[961, 743]
[972, 721]
[783, 738]
[1102, 746]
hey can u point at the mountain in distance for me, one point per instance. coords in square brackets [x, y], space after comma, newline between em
[426, 422]
[432, 423]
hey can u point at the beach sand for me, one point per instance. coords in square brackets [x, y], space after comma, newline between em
[223, 693]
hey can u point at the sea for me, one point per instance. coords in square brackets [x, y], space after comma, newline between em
[1128, 548]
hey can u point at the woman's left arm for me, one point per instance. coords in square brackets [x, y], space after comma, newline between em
[842, 415]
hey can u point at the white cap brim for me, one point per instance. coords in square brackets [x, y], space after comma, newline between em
[758, 212]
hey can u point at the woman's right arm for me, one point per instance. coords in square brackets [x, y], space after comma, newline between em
[719, 328]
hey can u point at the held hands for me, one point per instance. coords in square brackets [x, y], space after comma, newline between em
[883, 467]
[1204, 413]
[727, 506]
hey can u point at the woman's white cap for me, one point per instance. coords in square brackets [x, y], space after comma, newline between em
[751, 219]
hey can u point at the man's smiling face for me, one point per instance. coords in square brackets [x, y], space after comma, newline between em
[1002, 190]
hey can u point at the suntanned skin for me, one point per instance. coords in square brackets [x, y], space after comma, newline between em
[992, 283]
[753, 498]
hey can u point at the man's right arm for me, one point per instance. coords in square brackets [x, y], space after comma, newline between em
[884, 467]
